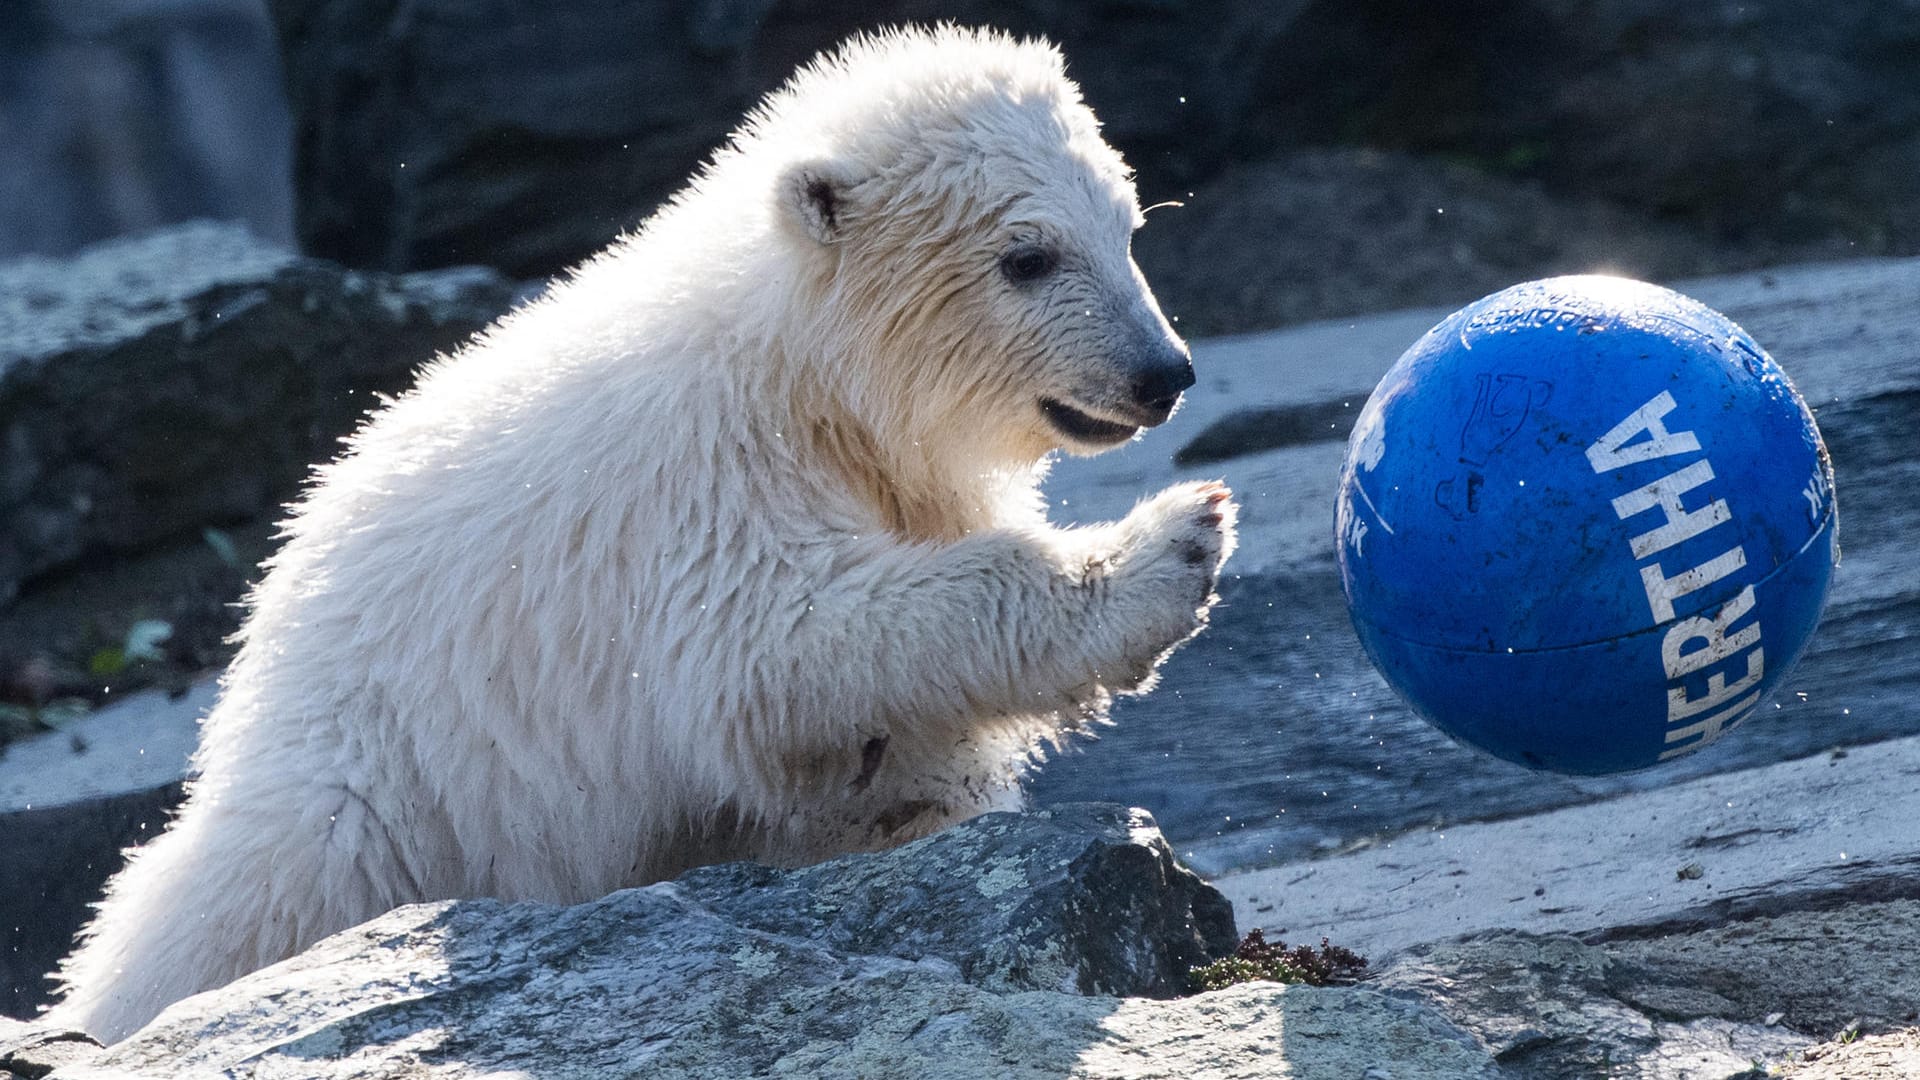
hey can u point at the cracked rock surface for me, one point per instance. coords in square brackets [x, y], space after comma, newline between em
[988, 938]
[1023, 946]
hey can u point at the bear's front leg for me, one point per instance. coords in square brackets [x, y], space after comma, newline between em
[921, 679]
[927, 643]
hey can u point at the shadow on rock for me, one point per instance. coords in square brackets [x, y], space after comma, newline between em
[953, 956]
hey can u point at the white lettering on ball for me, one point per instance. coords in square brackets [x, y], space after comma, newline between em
[1719, 642]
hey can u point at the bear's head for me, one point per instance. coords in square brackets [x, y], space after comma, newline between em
[962, 220]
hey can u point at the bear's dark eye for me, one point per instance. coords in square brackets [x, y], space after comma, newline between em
[1027, 263]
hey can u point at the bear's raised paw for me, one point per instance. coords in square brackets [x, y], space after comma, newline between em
[1172, 547]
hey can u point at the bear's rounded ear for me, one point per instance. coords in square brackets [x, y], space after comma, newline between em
[820, 197]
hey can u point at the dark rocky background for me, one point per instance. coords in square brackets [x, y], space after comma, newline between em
[1335, 156]
[161, 397]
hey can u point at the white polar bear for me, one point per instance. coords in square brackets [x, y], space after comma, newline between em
[729, 547]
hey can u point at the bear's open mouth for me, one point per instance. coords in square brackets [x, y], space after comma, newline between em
[1080, 427]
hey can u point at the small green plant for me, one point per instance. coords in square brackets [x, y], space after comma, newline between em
[143, 642]
[1257, 960]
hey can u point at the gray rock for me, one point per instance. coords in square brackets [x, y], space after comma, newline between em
[31, 1051]
[895, 966]
[861, 1019]
[1548, 1007]
[1717, 1002]
[154, 386]
[1081, 898]
[1815, 971]
[983, 937]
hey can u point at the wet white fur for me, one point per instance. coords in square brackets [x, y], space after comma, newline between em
[728, 547]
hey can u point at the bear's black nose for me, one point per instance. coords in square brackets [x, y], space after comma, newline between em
[1157, 389]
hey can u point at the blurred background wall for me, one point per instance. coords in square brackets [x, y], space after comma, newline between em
[1334, 155]
[117, 116]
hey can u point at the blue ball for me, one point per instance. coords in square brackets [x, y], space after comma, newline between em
[1586, 524]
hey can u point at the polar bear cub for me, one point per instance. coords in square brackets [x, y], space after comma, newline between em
[728, 547]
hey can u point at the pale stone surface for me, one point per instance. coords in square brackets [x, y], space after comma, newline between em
[1893, 1056]
[136, 744]
[30, 1051]
[1760, 840]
